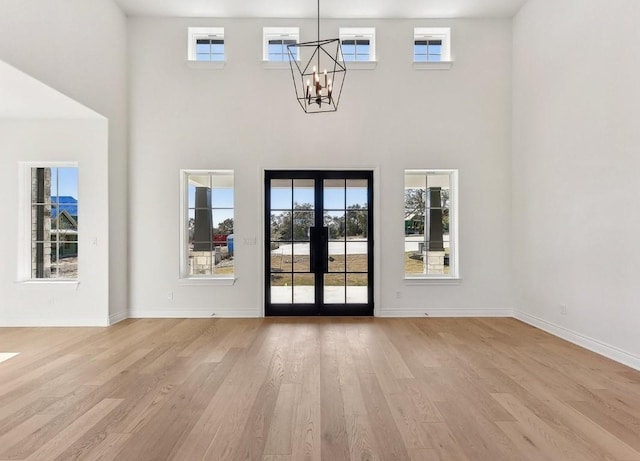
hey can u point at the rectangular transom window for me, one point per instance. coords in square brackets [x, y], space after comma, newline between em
[54, 222]
[276, 41]
[206, 44]
[430, 223]
[358, 43]
[207, 227]
[431, 44]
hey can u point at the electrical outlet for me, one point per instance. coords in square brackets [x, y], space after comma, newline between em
[563, 309]
[170, 296]
[398, 294]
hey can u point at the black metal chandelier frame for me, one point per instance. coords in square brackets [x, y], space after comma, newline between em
[318, 92]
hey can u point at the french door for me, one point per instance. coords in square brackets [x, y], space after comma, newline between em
[319, 242]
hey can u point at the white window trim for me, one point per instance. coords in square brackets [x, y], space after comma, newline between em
[195, 33]
[442, 33]
[24, 228]
[291, 33]
[183, 277]
[347, 33]
[454, 241]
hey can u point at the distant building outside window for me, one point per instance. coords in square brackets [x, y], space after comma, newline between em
[54, 222]
[430, 224]
[208, 224]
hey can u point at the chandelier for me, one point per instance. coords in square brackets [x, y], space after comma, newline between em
[318, 90]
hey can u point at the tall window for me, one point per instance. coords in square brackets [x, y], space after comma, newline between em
[206, 44]
[358, 43]
[430, 223]
[431, 44]
[208, 243]
[276, 41]
[54, 222]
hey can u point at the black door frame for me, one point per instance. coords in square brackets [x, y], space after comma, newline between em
[318, 246]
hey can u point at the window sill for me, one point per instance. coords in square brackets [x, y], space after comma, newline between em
[440, 65]
[432, 280]
[360, 65]
[207, 281]
[71, 285]
[206, 64]
[275, 65]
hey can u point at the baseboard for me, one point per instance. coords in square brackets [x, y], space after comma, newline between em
[118, 317]
[426, 312]
[46, 323]
[606, 350]
[193, 313]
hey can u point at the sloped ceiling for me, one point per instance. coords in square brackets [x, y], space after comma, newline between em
[22, 96]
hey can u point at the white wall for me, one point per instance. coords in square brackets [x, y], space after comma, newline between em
[245, 118]
[79, 48]
[43, 304]
[575, 171]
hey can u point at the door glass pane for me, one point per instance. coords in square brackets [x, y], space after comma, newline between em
[357, 194]
[301, 257]
[334, 220]
[303, 194]
[302, 221]
[337, 253]
[357, 224]
[281, 258]
[281, 289]
[281, 226]
[304, 290]
[334, 194]
[357, 258]
[357, 289]
[281, 194]
[334, 289]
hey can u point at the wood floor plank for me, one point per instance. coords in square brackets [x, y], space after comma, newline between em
[279, 438]
[312, 389]
[542, 435]
[334, 443]
[362, 444]
[74, 431]
[385, 430]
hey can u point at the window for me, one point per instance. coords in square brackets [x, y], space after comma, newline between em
[54, 222]
[207, 229]
[430, 223]
[431, 44]
[358, 43]
[276, 40]
[206, 44]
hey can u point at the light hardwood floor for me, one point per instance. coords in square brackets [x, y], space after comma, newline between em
[311, 389]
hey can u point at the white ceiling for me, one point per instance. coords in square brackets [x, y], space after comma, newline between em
[366, 9]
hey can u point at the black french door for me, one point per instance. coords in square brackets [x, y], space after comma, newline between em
[319, 242]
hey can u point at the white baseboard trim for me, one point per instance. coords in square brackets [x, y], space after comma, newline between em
[46, 323]
[606, 350]
[193, 313]
[118, 317]
[426, 312]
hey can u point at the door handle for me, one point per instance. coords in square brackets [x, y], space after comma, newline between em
[312, 249]
[325, 249]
